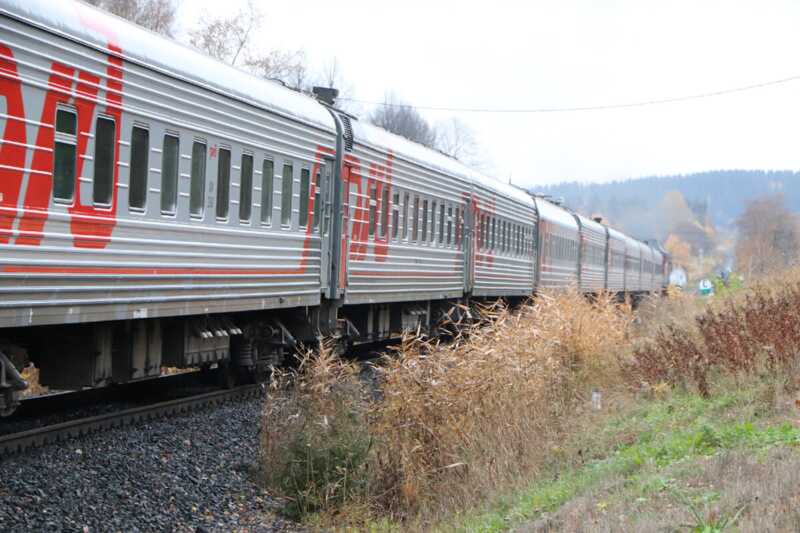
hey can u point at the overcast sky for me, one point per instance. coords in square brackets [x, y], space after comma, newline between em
[562, 53]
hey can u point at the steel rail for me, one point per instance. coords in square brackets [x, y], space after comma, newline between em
[16, 443]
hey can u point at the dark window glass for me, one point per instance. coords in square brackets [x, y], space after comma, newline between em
[103, 160]
[198, 180]
[246, 188]
[441, 222]
[64, 170]
[433, 222]
[267, 182]
[170, 157]
[373, 206]
[64, 155]
[449, 225]
[317, 201]
[415, 220]
[458, 227]
[395, 214]
[66, 122]
[140, 151]
[405, 215]
[287, 188]
[305, 188]
[223, 182]
[424, 219]
[385, 207]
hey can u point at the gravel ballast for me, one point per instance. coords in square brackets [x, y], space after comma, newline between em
[189, 473]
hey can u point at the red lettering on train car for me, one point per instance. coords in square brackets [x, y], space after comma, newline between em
[382, 174]
[12, 151]
[360, 222]
[91, 227]
[40, 177]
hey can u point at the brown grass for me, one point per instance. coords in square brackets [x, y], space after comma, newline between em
[755, 330]
[452, 422]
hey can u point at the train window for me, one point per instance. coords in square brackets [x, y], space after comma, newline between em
[198, 180]
[64, 154]
[441, 223]
[395, 214]
[385, 212]
[405, 215]
[317, 201]
[494, 233]
[223, 182]
[287, 188]
[458, 226]
[305, 193]
[170, 156]
[267, 184]
[449, 225]
[433, 222]
[104, 140]
[246, 188]
[140, 153]
[415, 220]
[424, 221]
[373, 207]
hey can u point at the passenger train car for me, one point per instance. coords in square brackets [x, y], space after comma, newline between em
[161, 209]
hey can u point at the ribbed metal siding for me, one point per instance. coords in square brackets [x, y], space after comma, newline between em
[616, 274]
[155, 265]
[557, 271]
[633, 281]
[497, 272]
[593, 275]
[408, 270]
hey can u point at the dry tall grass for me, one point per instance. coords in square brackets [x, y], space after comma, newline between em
[756, 329]
[446, 424]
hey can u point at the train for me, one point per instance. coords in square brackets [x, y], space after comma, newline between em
[159, 208]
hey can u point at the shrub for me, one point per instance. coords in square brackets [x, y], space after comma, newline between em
[314, 438]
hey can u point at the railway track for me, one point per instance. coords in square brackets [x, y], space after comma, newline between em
[15, 443]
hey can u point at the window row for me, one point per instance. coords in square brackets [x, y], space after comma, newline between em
[411, 217]
[617, 259]
[562, 248]
[64, 173]
[502, 236]
[594, 254]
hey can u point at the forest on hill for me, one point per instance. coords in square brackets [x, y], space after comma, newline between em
[649, 207]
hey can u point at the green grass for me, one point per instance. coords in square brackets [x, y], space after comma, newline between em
[660, 434]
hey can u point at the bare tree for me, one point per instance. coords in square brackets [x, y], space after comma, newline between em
[225, 38]
[155, 15]
[456, 139]
[402, 119]
[768, 237]
[287, 66]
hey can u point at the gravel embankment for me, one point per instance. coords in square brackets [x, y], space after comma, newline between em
[191, 473]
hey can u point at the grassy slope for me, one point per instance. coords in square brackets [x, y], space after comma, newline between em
[658, 464]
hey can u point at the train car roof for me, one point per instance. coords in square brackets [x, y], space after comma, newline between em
[552, 212]
[615, 234]
[79, 21]
[591, 224]
[366, 133]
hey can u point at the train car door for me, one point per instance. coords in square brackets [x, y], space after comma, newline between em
[469, 244]
[323, 215]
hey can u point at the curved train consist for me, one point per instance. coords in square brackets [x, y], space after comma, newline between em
[159, 208]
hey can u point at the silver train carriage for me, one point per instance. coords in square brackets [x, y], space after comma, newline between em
[159, 208]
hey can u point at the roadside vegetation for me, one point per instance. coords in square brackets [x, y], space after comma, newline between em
[565, 414]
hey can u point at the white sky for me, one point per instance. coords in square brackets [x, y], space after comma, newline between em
[564, 53]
